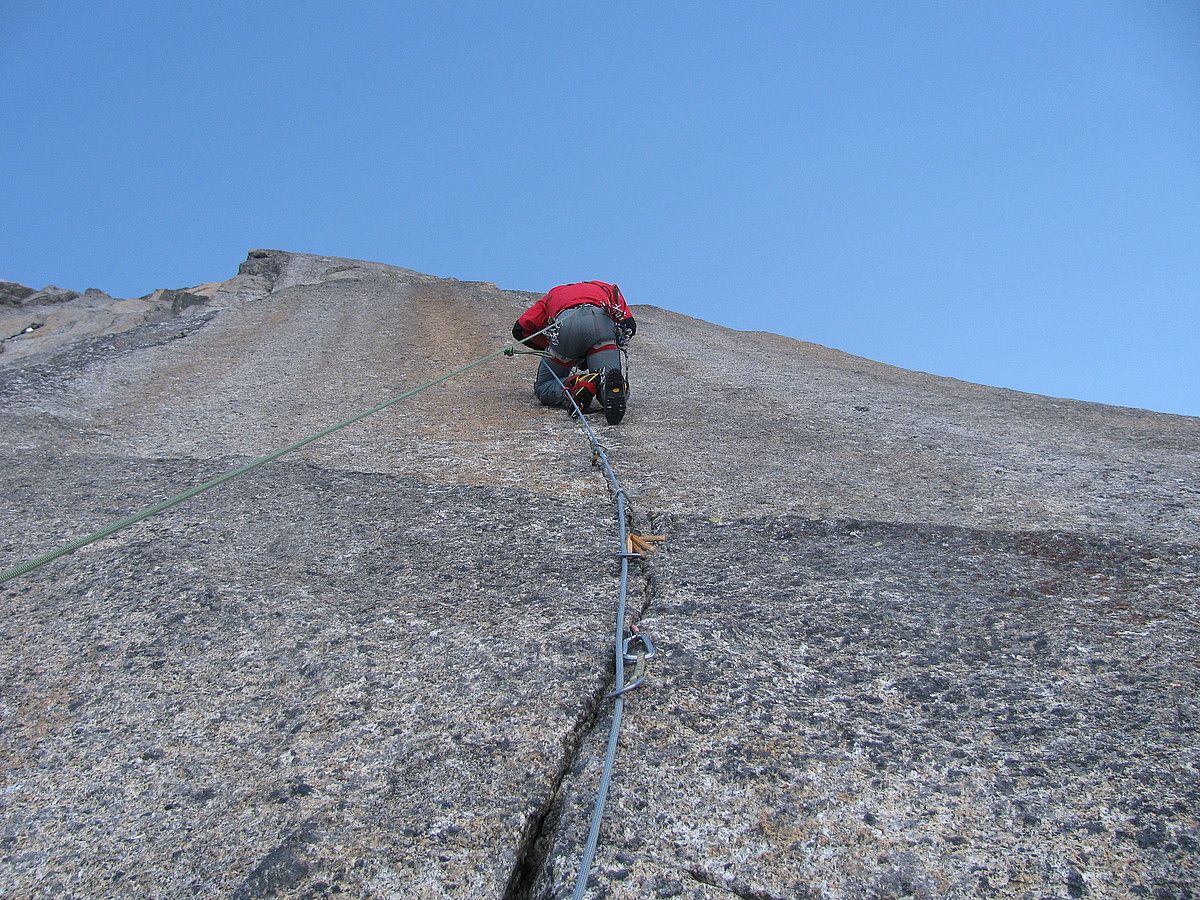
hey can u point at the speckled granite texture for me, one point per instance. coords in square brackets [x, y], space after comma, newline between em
[849, 709]
[919, 638]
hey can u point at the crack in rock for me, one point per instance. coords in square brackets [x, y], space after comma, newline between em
[730, 886]
[538, 837]
[281, 869]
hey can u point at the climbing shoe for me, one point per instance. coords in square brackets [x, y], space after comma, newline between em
[612, 395]
[582, 386]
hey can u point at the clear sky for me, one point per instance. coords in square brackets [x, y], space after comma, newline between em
[1007, 193]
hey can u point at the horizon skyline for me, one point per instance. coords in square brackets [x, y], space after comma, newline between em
[1004, 194]
[635, 303]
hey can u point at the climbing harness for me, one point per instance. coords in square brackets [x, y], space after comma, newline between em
[39, 561]
[622, 644]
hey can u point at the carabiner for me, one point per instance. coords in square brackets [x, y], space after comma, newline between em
[647, 647]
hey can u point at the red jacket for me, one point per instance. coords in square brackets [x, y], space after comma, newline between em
[598, 293]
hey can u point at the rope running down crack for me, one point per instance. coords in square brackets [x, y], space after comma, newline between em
[620, 688]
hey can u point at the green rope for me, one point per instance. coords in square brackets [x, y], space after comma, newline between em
[36, 563]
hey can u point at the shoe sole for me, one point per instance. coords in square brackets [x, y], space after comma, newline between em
[613, 399]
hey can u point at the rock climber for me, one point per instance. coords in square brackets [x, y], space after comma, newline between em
[590, 324]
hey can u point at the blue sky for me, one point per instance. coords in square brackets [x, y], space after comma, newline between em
[1007, 193]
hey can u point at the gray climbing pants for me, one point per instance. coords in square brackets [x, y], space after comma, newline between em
[585, 338]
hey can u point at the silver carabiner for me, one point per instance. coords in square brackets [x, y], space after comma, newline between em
[647, 646]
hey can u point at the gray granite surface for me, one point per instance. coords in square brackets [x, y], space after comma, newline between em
[865, 709]
[920, 638]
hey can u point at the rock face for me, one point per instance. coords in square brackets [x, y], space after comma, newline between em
[918, 638]
[35, 323]
[12, 294]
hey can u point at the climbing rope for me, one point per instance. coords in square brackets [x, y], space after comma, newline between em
[37, 562]
[622, 647]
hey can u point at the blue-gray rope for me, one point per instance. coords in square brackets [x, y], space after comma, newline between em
[48, 557]
[619, 687]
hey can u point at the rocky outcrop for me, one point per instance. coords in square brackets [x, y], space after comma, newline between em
[52, 294]
[178, 301]
[918, 638]
[12, 294]
[45, 321]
